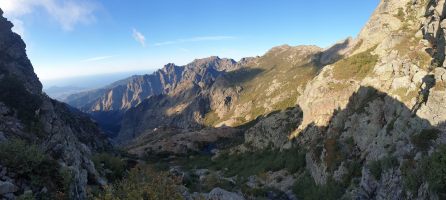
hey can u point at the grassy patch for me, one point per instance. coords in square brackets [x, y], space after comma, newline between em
[254, 163]
[250, 163]
[357, 66]
[405, 94]
[211, 118]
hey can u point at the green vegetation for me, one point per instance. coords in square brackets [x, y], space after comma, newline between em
[253, 163]
[30, 163]
[112, 167]
[306, 188]
[434, 169]
[379, 166]
[423, 140]
[15, 95]
[143, 182]
[412, 176]
[246, 164]
[357, 66]
[431, 170]
[400, 15]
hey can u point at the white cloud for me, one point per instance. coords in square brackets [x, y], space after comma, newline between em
[67, 13]
[139, 37]
[99, 58]
[195, 39]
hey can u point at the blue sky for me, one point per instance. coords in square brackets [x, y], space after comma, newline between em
[67, 38]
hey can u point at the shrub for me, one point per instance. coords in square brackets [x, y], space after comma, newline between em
[423, 140]
[20, 156]
[434, 170]
[412, 176]
[379, 166]
[353, 170]
[111, 166]
[306, 188]
[143, 182]
[400, 15]
[15, 95]
[30, 163]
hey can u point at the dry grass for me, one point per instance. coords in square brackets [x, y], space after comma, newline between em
[357, 66]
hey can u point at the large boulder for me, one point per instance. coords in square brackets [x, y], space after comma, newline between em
[7, 187]
[220, 194]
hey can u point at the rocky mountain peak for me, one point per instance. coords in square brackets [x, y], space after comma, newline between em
[14, 60]
[215, 62]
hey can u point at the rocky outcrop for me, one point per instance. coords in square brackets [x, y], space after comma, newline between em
[273, 131]
[64, 134]
[220, 194]
[375, 116]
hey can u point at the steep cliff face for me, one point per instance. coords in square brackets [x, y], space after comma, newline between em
[379, 101]
[65, 137]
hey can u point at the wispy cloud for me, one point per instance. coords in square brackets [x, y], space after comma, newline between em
[67, 13]
[139, 37]
[97, 58]
[195, 39]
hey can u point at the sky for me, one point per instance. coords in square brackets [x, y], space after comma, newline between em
[69, 38]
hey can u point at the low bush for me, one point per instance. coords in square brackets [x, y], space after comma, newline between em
[379, 166]
[434, 168]
[112, 167]
[30, 163]
[412, 176]
[306, 188]
[143, 182]
[423, 141]
[15, 95]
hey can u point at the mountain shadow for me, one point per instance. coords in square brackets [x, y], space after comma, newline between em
[373, 128]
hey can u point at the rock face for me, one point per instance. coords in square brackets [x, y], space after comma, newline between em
[220, 194]
[273, 130]
[7, 187]
[66, 135]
